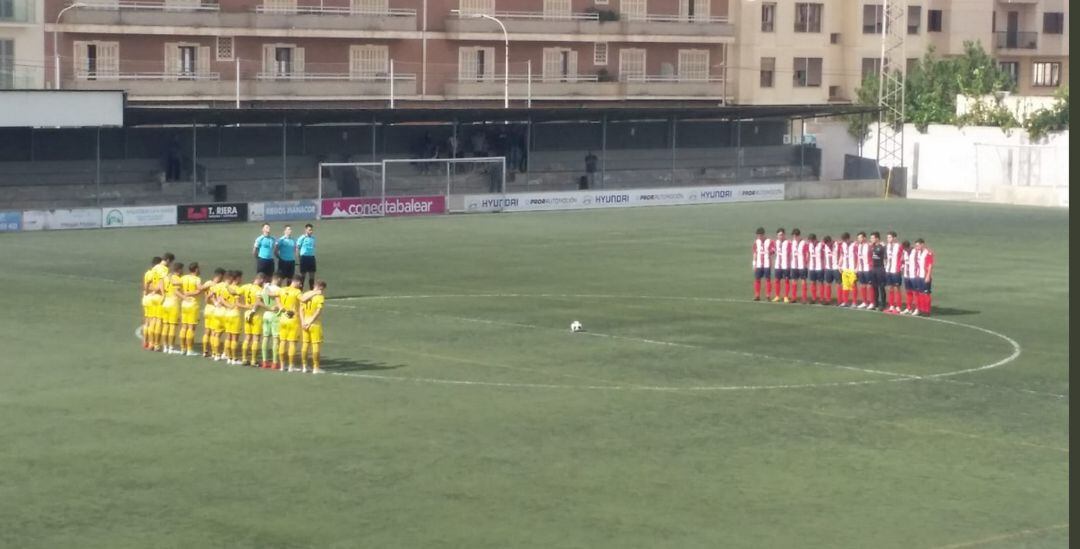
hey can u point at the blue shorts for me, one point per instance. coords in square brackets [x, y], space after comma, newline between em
[926, 286]
[918, 285]
[832, 276]
[892, 279]
[761, 273]
[798, 274]
[815, 276]
[781, 274]
[909, 283]
[865, 277]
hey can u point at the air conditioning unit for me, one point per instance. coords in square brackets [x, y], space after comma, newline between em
[834, 38]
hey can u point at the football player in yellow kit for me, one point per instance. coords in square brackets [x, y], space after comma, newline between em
[170, 308]
[231, 321]
[289, 305]
[148, 302]
[311, 321]
[212, 316]
[190, 289]
[156, 288]
[250, 303]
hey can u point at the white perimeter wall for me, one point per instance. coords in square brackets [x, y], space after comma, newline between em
[834, 141]
[946, 159]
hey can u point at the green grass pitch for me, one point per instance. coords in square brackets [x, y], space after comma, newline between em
[465, 414]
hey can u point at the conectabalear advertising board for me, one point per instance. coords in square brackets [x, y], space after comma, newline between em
[391, 206]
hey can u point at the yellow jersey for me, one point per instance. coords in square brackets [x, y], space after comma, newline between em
[290, 299]
[251, 294]
[312, 306]
[190, 283]
[147, 278]
[159, 272]
[171, 283]
[213, 293]
[228, 295]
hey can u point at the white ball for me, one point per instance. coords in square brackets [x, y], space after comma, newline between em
[575, 326]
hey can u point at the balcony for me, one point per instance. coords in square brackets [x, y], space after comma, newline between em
[587, 87]
[264, 86]
[1004, 40]
[196, 13]
[19, 77]
[542, 26]
[17, 12]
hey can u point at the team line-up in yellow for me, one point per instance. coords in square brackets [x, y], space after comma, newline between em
[271, 314]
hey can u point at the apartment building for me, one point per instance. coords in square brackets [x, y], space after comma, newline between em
[21, 44]
[813, 52]
[561, 52]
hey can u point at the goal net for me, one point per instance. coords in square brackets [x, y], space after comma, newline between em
[373, 189]
[1018, 166]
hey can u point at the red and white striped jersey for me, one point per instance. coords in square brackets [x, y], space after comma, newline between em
[909, 263]
[762, 251]
[799, 250]
[894, 258]
[782, 258]
[816, 260]
[830, 255]
[862, 262]
[923, 260]
[847, 257]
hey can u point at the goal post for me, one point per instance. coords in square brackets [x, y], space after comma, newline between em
[364, 189]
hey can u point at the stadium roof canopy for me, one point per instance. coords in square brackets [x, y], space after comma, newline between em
[154, 116]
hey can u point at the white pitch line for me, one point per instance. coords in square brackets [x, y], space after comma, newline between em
[896, 376]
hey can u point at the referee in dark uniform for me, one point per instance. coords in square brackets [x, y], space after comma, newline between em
[305, 249]
[877, 269]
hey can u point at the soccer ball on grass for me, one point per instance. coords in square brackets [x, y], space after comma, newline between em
[575, 326]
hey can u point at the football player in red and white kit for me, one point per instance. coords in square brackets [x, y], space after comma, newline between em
[815, 267]
[863, 289]
[760, 262]
[831, 268]
[894, 261]
[781, 266]
[847, 255]
[924, 270]
[908, 270]
[799, 251]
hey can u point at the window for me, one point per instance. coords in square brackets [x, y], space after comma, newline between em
[282, 61]
[834, 38]
[834, 94]
[369, 62]
[476, 64]
[873, 19]
[279, 6]
[871, 66]
[1045, 74]
[7, 64]
[470, 7]
[693, 10]
[600, 2]
[634, 10]
[768, 16]
[911, 65]
[1011, 67]
[1054, 22]
[560, 65]
[97, 60]
[693, 65]
[599, 53]
[370, 7]
[224, 47]
[933, 20]
[7, 9]
[632, 65]
[914, 18]
[807, 72]
[556, 9]
[186, 61]
[808, 17]
[768, 69]
[178, 5]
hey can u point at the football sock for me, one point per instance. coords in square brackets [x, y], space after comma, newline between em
[910, 300]
[786, 286]
[929, 299]
[281, 353]
[265, 348]
[146, 332]
[205, 341]
[275, 348]
[803, 290]
[191, 339]
[292, 353]
[244, 349]
[254, 350]
[757, 288]
[315, 355]
[214, 345]
[303, 354]
[170, 335]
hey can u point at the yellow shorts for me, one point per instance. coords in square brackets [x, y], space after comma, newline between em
[170, 311]
[213, 321]
[253, 323]
[146, 305]
[290, 329]
[313, 334]
[231, 322]
[189, 311]
[847, 279]
[154, 301]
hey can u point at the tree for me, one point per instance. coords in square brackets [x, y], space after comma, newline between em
[931, 88]
[1054, 119]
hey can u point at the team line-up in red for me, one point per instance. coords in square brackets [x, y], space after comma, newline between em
[868, 273]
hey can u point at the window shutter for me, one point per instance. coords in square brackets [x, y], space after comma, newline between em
[571, 64]
[632, 65]
[634, 10]
[489, 67]
[298, 63]
[202, 64]
[556, 9]
[268, 66]
[109, 60]
[172, 60]
[551, 64]
[466, 64]
[81, 63]
[468, 7]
